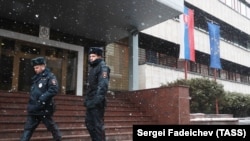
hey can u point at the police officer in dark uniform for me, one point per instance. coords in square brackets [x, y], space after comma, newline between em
[41, 104]
[95, 101]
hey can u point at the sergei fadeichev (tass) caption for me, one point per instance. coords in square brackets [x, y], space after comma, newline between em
[194, 132]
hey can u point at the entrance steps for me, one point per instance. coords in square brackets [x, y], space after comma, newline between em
[120, 116]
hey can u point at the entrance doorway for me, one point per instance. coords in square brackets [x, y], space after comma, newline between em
[61, 62]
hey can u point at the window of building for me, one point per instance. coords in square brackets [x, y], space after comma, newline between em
[204, 70]
[142, 56]
[223, 74]
[244, 78]
[151, 56]
[194, 67]
[240, 6]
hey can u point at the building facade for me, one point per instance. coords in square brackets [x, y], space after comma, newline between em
[159, 48]
[63, 32]
[146, 58]
[233, 17]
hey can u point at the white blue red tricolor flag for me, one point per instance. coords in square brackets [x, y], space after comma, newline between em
[187, 49]
[214, 37]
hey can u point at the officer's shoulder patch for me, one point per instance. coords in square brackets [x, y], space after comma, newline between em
[104, 74]
[53, 81]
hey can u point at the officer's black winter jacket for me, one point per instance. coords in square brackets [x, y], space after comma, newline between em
[44, 88]
[98, 81]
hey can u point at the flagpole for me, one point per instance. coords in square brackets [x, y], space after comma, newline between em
[185, 69]
[216, 99]
[215, 74]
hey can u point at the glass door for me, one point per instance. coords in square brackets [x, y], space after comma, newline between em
[16, 70]
[25, 74]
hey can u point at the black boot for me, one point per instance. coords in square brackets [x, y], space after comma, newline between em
[56, 134]
[26, 135]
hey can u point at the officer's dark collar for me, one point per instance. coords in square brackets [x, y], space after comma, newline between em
[42, 74]
[94, 63]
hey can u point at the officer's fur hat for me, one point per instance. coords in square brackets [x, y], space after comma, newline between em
[96, 50]
[38, 61]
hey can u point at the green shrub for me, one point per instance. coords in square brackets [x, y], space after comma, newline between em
[203, 93]
[237, 104]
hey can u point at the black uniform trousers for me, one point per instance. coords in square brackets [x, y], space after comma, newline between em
[94, 122]
[34, 120]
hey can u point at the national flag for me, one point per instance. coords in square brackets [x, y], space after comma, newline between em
[187, 49]
[214, 37]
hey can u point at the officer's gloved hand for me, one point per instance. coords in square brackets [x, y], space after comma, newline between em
[43, 98]
[41, 104]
